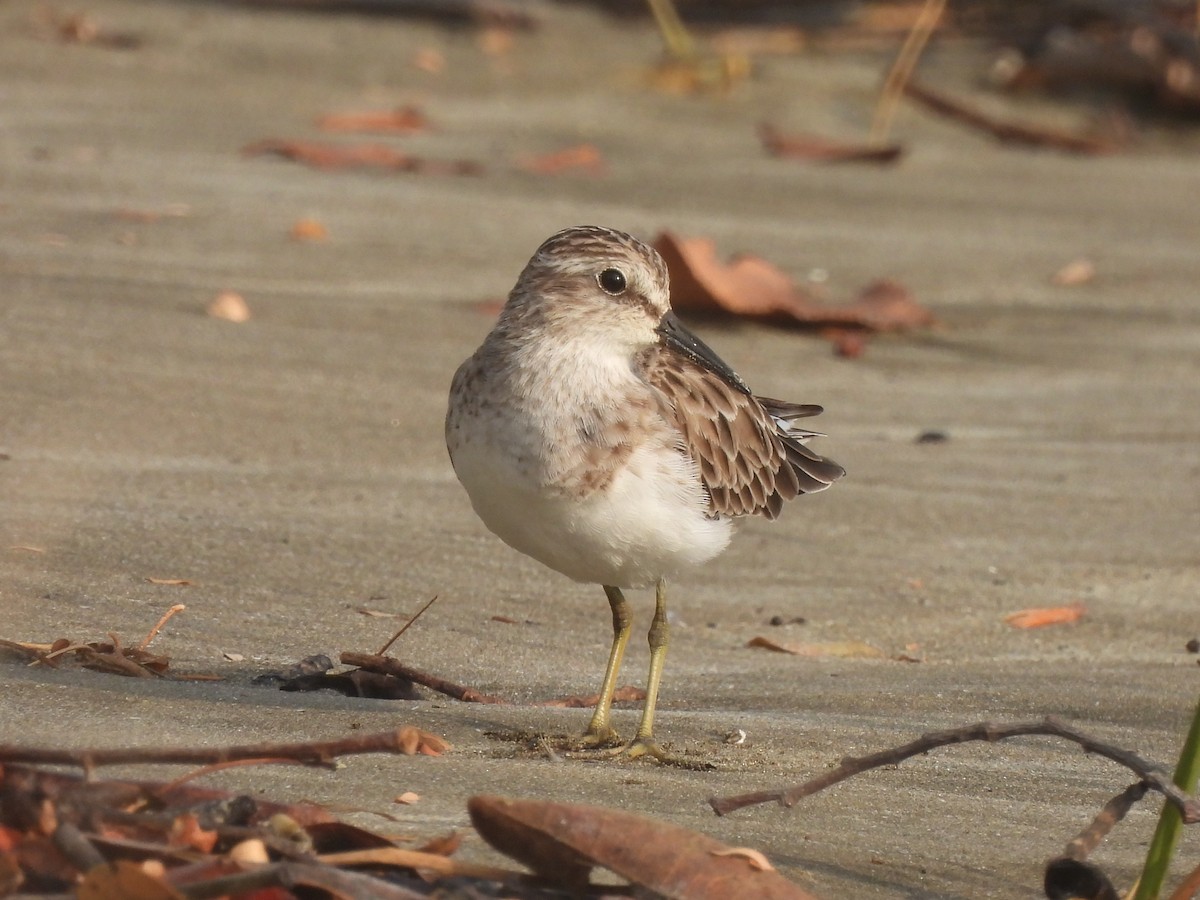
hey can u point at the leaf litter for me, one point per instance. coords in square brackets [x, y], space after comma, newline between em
[144, 840]
[750, 287]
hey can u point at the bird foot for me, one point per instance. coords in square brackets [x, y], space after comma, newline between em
[609, 746]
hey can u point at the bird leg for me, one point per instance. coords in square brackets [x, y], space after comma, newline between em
[600, 732]
[643, 742]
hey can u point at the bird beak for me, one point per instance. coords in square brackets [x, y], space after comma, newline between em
[673, 333]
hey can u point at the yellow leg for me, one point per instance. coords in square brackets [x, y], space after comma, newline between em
[599, 731]
[674, 34]
[643, 742]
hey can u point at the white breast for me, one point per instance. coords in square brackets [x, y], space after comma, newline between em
[648, 523]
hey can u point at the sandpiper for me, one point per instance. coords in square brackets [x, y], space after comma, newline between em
[596, 434]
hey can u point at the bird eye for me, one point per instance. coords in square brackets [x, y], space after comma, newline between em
[611, 281]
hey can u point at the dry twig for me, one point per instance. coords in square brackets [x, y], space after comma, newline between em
[388, 666]
[311, 753]
[1152, 774]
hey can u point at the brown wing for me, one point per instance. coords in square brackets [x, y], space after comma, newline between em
[750, 458]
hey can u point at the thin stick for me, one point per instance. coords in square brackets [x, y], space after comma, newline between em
[312, 753]
[980, 731]
[1113, 812]
[404, 627]
[415, 859]
[388, 666]
[177, 608]
[1008, 132]
[902, 69]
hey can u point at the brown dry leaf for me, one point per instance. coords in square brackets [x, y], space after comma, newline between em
[496, 41]
[748, 42]
[627, 693]
[169, 581]
[251, 852]
[427, 59]
[756, 858]
[414, 740]
[751, 287]
[408, 798]
[82, 28]
[811, 148]
[377, 613]
[123, 880]
[505, 620]
[174, 211]
[444, 845]
[324, 155]
[26, 548]
[838, 649]
[308, 229]
[1051, 615]
[230, 306]
[186, 832]
[1076, 272]
[402, 120]
[563, 842]
[584, 157]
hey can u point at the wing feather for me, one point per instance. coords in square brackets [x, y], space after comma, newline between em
[750, 457]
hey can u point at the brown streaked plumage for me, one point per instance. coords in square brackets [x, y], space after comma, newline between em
[596, 434]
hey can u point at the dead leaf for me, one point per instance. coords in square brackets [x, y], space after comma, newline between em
[563, 842]
[1076, 272]
[82, 28]
[250, 852]
[170, 581]
[230, 306]
[233, 657]
[408, 798]
[123, 880]
[496, 41]
[627, 693]
[755, 857]
[402, 120]
[414, 740]
[444, 845]
[1051, 615]
[308, 230]
[583, 157]
[811, 148]
[186, 832]
[324, 155]
[24, 548]
[377, 613]
[751, 287]
[429, 60]
[837, 649]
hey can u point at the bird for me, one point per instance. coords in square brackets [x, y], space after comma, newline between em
[596, 434]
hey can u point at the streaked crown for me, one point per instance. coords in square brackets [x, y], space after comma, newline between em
[607, 276]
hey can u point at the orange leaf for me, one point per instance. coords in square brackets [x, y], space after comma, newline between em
[230, 306]
[564, 841]
[818, 149]
[750, 286]
[403, 120]
[580, 156]
[123, 880]
[1050, 615]
[838, 649]
[308, 230]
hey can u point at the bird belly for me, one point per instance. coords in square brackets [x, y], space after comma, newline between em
[648, 522]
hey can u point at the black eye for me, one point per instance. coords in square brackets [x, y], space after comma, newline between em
[612, 281]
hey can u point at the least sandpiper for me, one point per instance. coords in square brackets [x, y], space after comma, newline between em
[596, 434]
